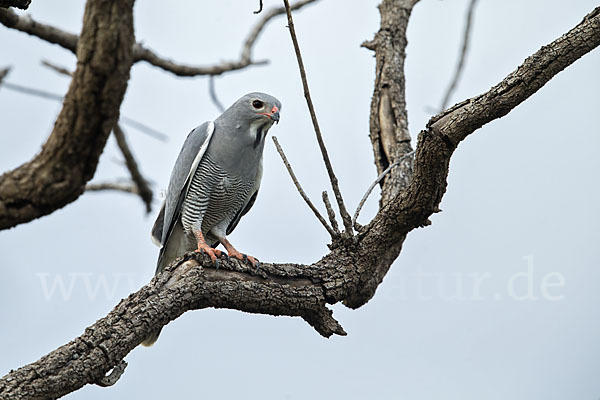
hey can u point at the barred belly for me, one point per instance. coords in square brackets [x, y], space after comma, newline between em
[214, 196]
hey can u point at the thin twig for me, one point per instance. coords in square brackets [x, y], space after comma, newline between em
[120, 187]
[144, 128]
[57, 68]
[32, 91]
[53, 96]
[266, 17]
[375, 182]
[136, 176]
[330, 212]
[301, 191]
[143, 54]
[333, 179]
[462, 57]
[260, 7]
[3, 72]
[213, 94]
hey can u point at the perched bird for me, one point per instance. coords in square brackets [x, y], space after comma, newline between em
[214, 182]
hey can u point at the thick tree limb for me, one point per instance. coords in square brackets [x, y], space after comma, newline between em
[388, 124]
[57, 175]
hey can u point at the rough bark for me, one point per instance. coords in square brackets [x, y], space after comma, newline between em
[290, 289]
[388, 125]
[68, 159]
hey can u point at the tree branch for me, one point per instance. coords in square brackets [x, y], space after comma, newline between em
[388, 123]
[57, 68]
[462, 57]
[57, 175]
[140, 53]
[447, 129]
[245, 60]
[306, 199]
[139, 181]
[116, 186]
[332, 178]
[26, 24]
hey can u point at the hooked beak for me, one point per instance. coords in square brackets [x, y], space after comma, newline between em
[274, 114]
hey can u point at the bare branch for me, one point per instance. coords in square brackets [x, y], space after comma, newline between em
[462, 57]
[301, 191]
[45, 32]
[32, 91]
[375, 182]
[57, 97]
[22, 4]
[69, 41]
[140, 182]
[144, 54]
[333, 179]
[330, 212]
[120, 187]
[447, 129]
[153, 133]
[213, 94]
[245, 60]
[102, 347]
[3, 73]
[68, 159]
[57, 68]
[388, 124]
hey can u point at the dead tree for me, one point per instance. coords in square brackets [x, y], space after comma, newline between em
[359, 256]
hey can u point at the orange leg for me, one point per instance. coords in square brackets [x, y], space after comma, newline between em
[205, 248]
[240, 256]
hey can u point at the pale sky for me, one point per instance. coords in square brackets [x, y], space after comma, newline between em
[496, 299]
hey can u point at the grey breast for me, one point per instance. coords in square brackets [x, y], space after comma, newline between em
[214, 196]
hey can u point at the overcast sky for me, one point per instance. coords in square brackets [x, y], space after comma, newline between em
[496, 299]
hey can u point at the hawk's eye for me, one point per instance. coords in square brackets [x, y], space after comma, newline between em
[257, 104]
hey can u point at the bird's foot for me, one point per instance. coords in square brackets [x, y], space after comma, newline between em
[212, 253]
[244, 257]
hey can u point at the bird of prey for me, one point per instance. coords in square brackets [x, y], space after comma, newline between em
[214, 182]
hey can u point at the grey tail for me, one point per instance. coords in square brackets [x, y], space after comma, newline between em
[177, 244]
[150, 340]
